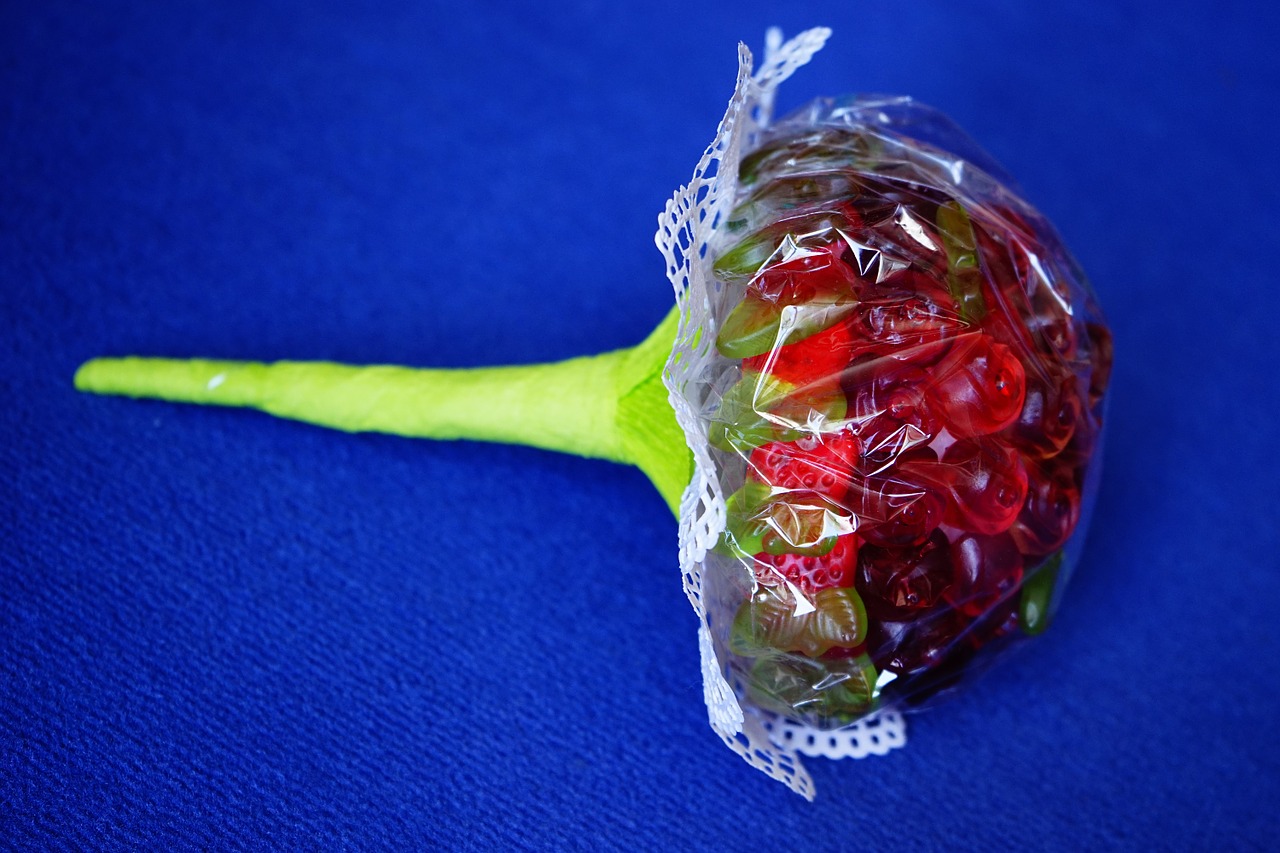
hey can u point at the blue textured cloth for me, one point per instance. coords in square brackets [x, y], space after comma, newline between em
[221, 630]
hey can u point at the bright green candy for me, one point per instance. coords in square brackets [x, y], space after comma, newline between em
[799, 523]
[829, 690]
[964, 278]
[745, 259]
[758, 325]
[768, 623]
[1037, 596]
[759, 408]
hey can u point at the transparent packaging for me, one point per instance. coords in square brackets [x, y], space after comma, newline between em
[903, 411]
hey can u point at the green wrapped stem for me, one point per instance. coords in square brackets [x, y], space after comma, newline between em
[610, 406]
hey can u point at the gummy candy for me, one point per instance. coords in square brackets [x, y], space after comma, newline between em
[943, 488]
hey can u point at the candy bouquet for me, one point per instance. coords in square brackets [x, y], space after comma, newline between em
[875, 410]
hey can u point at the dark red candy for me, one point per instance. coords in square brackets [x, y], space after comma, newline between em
[899, 583]
[837, 568]
[901, 505]
[889, 408]
[1051, 323]
[986, 481]
[1049, 415]
[1051, 511]
[843, 652]
[819, 462]
[1000, 620]
[1101, 350]
[987, 569]
[979, 386]
[911, 646]
[907, 317]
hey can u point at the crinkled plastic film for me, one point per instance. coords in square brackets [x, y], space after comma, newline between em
[891, 373]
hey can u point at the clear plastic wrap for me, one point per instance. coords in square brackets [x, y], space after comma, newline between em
[898, 382]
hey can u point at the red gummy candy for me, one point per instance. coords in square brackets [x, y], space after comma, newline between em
[979, 387]
[999, 621]
[908, 317]
[1049, 415]
[987, 483]
[902, 505]
[987, 568]
[817, 359]
[899, 583]
[836, 568]
[1051, 511]
[1051, 324]
[889, 407]
[815, 272]
[821, 462]
[911, 646]
[1079, 449]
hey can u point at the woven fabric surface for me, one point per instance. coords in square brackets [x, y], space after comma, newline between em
[220, 631]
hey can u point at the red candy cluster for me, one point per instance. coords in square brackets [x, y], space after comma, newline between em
[918, 401]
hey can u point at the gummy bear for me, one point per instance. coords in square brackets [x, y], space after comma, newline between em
[987, 568]
[1049, 415]
[899, 583]
[901, 505]
[1051, 511]
[986, 481]
[979, 386]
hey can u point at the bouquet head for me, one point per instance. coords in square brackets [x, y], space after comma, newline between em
[902, 408]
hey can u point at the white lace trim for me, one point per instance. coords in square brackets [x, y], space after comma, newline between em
[872, 736]
[685, 229]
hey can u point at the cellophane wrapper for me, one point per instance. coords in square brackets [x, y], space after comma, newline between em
[903, 408]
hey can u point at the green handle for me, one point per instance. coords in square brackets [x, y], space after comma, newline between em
[611, 406]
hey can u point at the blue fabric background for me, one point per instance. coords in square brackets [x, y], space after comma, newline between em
[220, 630]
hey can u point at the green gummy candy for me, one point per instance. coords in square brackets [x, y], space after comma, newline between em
[1037, 596]
[758, 409]
[756, 326]
[829, 690]
[754, 511]
[964, 278]
[745, 259]
[768, 623]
